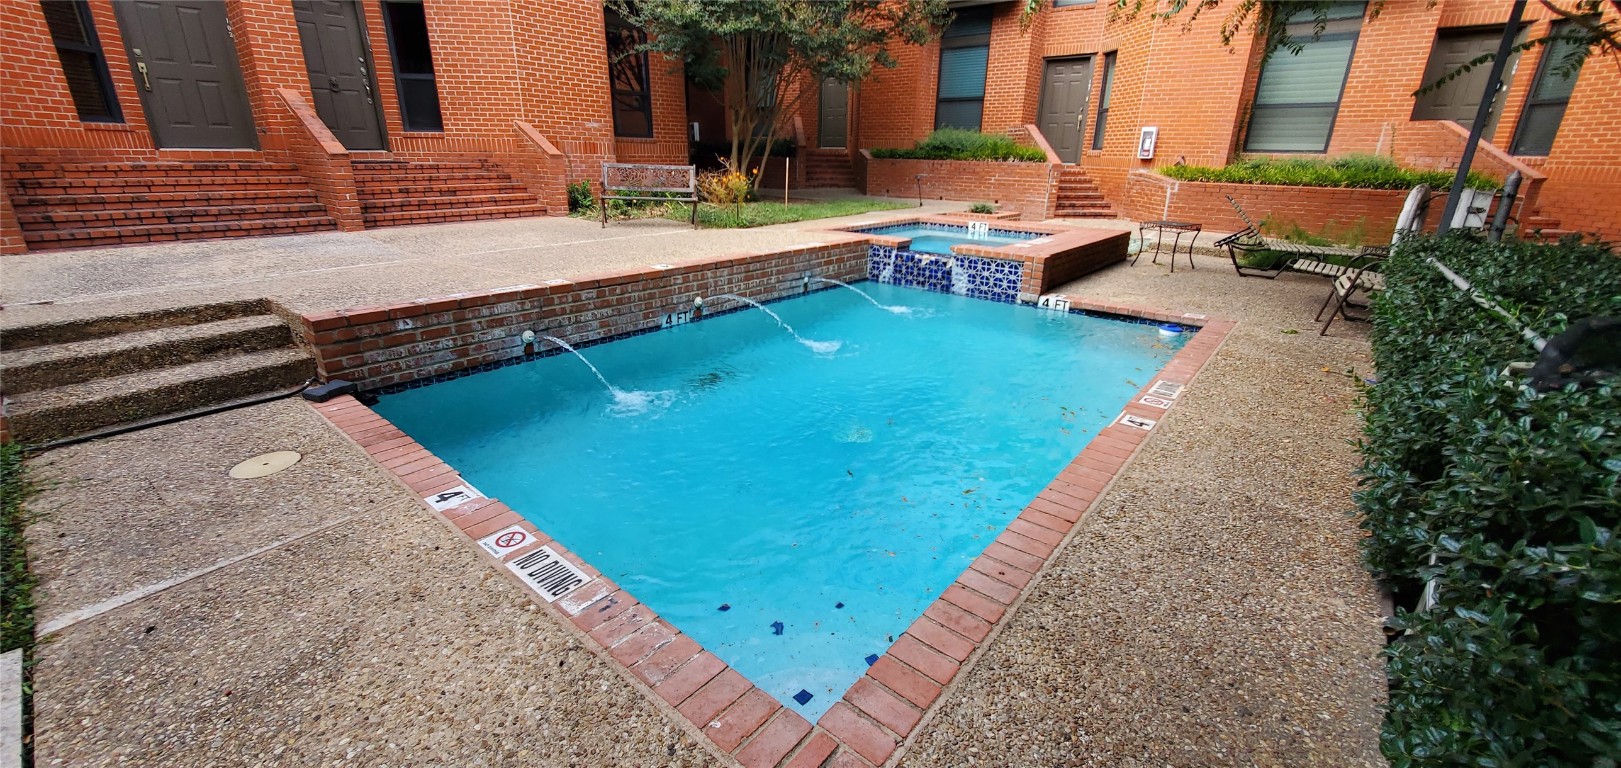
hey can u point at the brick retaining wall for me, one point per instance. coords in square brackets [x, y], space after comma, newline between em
[1150, 196]
[397, 343]
[1023, 187]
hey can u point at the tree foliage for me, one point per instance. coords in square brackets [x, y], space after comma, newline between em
[765, 56]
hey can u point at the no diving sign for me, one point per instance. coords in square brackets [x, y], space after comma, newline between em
[506, 540]
[548, 573]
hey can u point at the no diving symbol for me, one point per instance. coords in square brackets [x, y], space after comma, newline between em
[505, 540]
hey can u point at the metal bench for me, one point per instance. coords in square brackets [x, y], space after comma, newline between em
[627, 181]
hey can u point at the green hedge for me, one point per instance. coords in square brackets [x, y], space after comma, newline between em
[1516, 494]
[16, 582]
[1359, 171]
[961, 144]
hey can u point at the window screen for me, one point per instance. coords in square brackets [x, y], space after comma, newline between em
[83, 65]
[1550, 94]
[407, 26]
[1299, 93]
[965, 50]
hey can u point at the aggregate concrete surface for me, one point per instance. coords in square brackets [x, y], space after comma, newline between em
[1210, 610]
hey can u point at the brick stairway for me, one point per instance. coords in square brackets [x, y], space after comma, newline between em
[78, 204]
[416, 192]
[1541, 228]
[828, 168]
[1079, 197]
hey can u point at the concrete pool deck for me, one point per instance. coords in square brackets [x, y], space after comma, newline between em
[1211, 609]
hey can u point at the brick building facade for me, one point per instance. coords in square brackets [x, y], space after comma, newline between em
[1201, 95]
[136, 121]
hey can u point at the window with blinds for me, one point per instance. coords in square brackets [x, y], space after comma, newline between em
[965, 52]
[74, 34]
[1550, 94]
[1299, 93]
[1103, 100]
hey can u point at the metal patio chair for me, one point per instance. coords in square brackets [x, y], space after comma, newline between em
[1297, 257]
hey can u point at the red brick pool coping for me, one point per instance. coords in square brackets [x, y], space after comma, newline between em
[886, 706]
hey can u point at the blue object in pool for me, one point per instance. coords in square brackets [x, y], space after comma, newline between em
[938, 238]
[757, 473]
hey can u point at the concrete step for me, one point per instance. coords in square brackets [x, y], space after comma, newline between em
[69, 331]
[75, 362]
[156, 233]
[61, 412]
[396, 218]
[443, 202]
[129, 217]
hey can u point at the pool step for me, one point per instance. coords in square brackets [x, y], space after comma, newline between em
[67, 379]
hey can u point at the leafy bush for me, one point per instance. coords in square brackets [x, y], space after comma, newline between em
[580, 198]
[963, 144]
[982, 208]
[1359, 171]
[1514, 493]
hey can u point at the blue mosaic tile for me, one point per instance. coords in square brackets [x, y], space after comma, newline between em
[803, 697]
[973, 276]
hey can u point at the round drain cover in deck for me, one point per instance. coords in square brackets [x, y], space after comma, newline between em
[267, 464]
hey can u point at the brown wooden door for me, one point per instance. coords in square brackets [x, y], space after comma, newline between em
[833, 130]
[338, 59]
[1065, 87]
[1459, 98]
[183, 59]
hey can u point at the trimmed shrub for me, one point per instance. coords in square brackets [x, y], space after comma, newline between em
[1358, 171]
[963, 144]
[1515, 495]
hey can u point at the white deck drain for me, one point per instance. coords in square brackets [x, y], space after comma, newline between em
[266, 464]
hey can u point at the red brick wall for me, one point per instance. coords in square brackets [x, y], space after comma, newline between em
[1023, 187]
[1317, 210]
[379, 346]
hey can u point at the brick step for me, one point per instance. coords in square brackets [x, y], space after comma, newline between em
[461, 189]
[145, 200]
[432, 203]
[421, 177]
[58, 365]
[1539, 222]
[1086, 213]
[154, 168]
[1078, 186]
[60, 412]
[156, 233]
[181, 183]
[127, 217]
[397, 218]
[394, 166]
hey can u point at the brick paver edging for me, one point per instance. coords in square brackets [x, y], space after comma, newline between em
[886, 706]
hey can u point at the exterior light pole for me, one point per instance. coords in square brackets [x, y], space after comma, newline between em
[1483, 114]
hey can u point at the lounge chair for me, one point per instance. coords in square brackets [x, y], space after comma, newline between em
[1297, 257]
[1368, 279]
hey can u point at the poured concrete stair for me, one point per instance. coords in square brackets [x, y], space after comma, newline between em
[78, 204]
[417, 192]
[1079, 197]
[78, 378]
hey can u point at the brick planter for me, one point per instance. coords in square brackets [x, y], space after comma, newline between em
[1023, 187]
[1150, 196]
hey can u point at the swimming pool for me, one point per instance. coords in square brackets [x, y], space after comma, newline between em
[938, 238]
[793, 510]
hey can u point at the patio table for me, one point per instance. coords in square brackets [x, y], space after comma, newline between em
[1178, 228]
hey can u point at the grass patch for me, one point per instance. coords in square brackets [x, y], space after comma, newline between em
[961, 144]
[16, 582]
[763, 213]
[1352, 171]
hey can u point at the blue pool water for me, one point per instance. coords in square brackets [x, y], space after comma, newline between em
[836, 494]
[938, 238]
